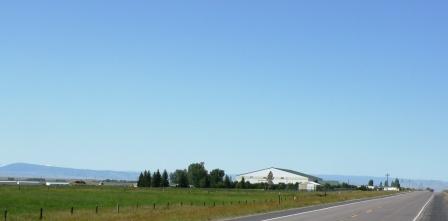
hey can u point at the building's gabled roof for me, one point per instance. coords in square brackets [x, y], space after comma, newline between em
[312, 178]
[314, 183]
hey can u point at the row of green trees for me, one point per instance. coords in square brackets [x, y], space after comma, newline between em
[265, 185]
[339, 186]
[196, 175]
[155, 180]
[394, 183]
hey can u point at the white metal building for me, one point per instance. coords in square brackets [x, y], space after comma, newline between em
[56, 183]
[390, 188]
[286, 176]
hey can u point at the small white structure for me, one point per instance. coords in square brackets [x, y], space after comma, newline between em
[286, 176]
[391, 188]
[56, 183]
[371, 187]
[308, 186]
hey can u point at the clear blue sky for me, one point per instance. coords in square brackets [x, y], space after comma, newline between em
[324, 87]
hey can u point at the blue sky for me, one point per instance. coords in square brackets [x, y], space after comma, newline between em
[324, 87]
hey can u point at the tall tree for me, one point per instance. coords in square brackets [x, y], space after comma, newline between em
[270, 179]
[140, 180]
[396, 183]
[165, 182]
[205, 181]
[173, 178]
[197, 174]
[216, 178]
[179, 178]
[147, 178]
[182, 178]
[386, 183]
[242, 183]
[156, 179]
[227, 182]
[370, 182]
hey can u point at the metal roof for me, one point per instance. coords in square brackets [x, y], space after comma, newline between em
[313, 178]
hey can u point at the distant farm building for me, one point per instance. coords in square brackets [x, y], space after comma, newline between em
[391, 188]
[286, 176]
[9, 182]
[57, 183]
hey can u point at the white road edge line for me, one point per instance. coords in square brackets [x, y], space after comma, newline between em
[327, 208]
[423, 208]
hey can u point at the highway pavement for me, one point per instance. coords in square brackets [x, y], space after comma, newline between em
[403, 207]
[438, 208]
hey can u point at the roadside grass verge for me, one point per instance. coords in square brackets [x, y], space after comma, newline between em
[170, 204]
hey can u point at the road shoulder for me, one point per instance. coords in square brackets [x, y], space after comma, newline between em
[278, 213]
[437, 210]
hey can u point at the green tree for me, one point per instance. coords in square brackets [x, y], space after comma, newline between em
[140, 180]
[386, 183]
[144, 180]
[173, 178]
[281, 186]
[147, 179]
[363, 188]
[290, 186]
[396, 183]
[179, 178]
[205, 182]
[197, 174]
[270, 179]
[227, 182]
[183, 179]
[241, 184]
[165, 181]
[216, 178]
[370, 182]
[156, 179]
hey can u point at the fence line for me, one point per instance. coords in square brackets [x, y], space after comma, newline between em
[281, 199]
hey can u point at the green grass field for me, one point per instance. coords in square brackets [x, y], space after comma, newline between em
[138, 204]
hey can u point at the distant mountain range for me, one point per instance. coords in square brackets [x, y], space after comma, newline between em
[40, 171]
[25, 170]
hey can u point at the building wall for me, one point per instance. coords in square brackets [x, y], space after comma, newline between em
[391, 189]
[280, 176]
[308, 186]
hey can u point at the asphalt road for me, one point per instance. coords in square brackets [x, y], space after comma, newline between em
[438, 209]
[404, 207]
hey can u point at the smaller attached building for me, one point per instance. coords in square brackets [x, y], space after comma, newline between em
[390, 188]
[286, 176]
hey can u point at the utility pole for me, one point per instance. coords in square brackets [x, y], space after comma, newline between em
[387, 178]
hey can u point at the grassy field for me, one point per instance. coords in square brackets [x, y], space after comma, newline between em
[138, 204]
